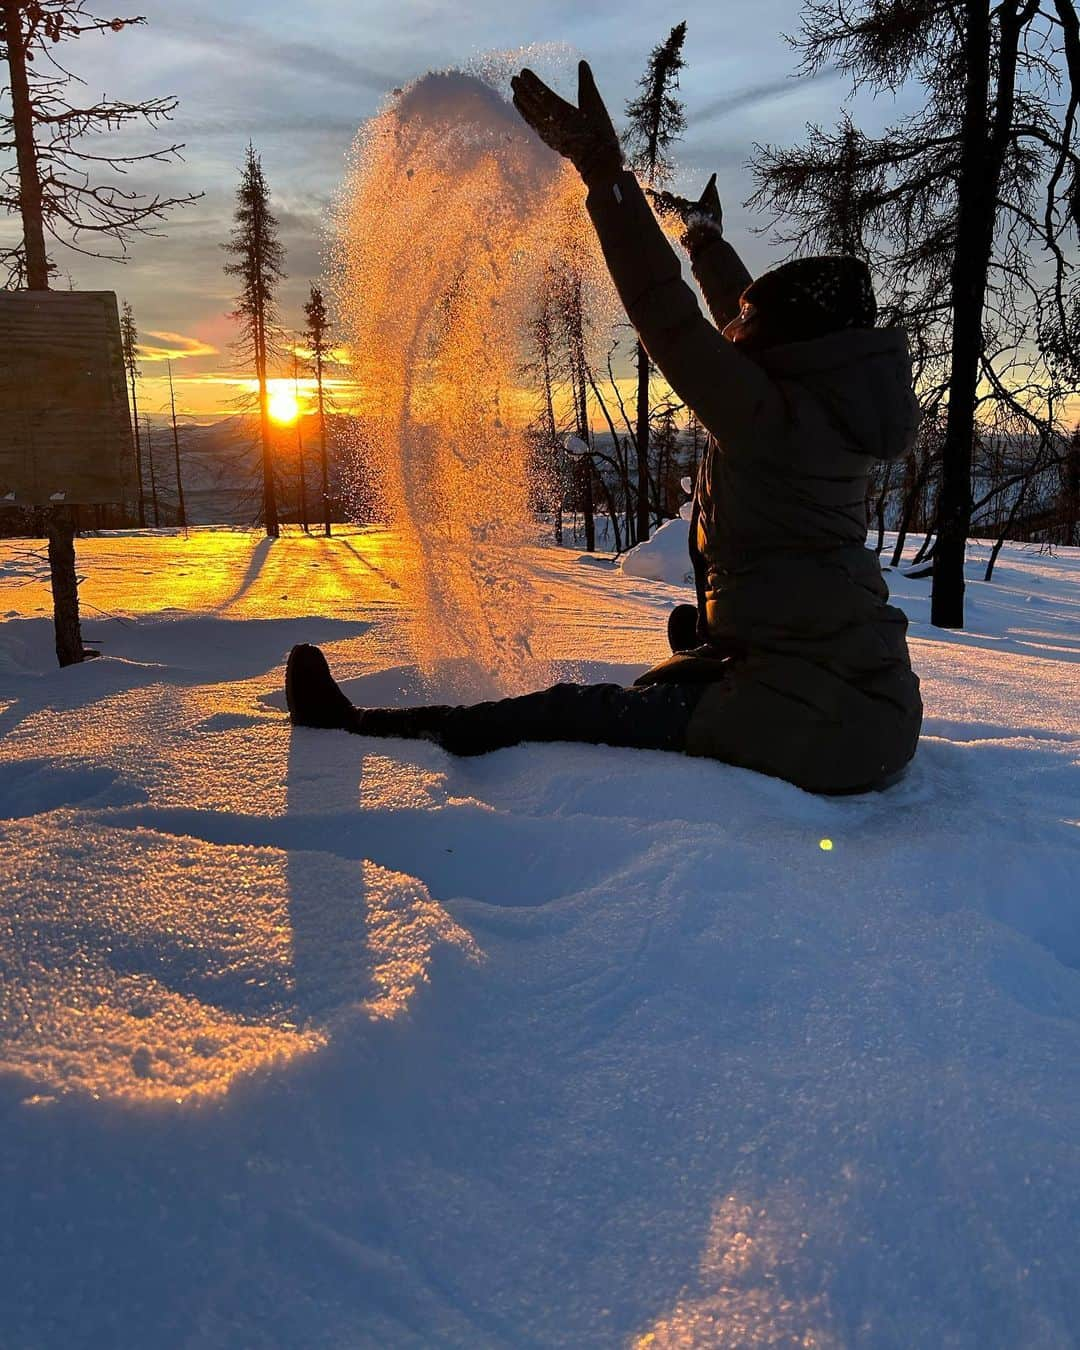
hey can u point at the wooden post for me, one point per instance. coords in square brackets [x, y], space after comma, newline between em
[65, 587]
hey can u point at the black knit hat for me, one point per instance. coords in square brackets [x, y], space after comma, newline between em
[817, 294]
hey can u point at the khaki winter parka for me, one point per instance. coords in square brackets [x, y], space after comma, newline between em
[822, 692]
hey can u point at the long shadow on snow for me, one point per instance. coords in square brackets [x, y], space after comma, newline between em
[440, 847]
[178, 652]
[251, 574]
[325, 1200]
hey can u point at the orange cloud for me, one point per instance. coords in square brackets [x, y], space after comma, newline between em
[174, 347]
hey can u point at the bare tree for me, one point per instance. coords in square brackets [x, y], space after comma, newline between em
[64, 189]
[259, 264]
[965, 209]
[655, 120]
[153, 476]
[53, 186]
[181, 509]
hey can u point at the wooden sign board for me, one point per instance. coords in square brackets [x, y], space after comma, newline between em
[65, 429]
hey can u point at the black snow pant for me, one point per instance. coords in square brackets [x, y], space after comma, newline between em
[652, 717]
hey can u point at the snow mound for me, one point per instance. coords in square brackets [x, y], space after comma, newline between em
[664, 557]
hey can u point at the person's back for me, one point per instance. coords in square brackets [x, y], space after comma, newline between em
[781, 531]
[788, 579]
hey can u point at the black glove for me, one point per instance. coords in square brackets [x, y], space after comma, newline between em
[584, 135]
[703, 219]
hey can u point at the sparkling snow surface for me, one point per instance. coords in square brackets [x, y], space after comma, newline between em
[316, 1041]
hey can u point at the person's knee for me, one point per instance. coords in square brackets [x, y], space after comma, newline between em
[682, 628]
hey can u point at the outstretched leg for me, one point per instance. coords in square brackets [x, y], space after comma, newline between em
[654, 717]
[315, 700]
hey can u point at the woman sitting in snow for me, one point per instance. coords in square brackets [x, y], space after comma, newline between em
[792, 663]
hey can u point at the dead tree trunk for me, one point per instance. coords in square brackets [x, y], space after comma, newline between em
[153, 477]
[983, 148]
[300, 445]
[324, 466]
[30, 199]
[642, 444]
[181, 509]
[138, 455]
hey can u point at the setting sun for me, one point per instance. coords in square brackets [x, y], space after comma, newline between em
[284, 407]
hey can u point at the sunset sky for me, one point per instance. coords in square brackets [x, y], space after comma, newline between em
[300, 80]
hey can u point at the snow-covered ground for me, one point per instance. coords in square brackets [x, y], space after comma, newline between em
[312, 1041]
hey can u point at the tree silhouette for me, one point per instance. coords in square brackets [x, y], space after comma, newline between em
[259, 264]
[317, 337]
[129, 335]
[65, 189]
[966, 211]
[655, 119]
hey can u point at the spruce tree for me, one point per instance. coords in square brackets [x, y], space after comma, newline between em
[655, 119]
[259, 260]
[129, 335]
[317, 337]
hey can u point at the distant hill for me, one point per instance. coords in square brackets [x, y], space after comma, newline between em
[221, 469]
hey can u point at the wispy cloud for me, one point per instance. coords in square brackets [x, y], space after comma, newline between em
[753, 95]
[174, 347]
[256, 46]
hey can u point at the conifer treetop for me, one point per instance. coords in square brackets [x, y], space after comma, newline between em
[656, 118]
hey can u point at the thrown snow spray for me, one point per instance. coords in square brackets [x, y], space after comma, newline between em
[450, 214]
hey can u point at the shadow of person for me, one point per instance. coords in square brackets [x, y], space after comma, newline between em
[327, 909]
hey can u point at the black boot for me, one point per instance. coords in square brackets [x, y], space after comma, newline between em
[312, 695]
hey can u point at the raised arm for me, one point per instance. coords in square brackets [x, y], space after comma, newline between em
[722, 276]
[731, 394]
[718, 269]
